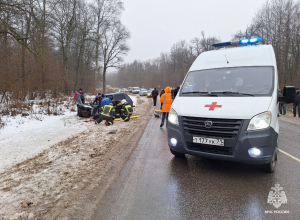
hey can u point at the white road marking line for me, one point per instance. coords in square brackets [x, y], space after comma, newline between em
[295, 158]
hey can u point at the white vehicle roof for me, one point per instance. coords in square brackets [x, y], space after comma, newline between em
[256, 55]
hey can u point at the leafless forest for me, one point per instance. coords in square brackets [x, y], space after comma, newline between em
[58, 45]
[277, 22]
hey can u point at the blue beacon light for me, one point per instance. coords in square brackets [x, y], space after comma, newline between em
[241, 42]
[251, 41]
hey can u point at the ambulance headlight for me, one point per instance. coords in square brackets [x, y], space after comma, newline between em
[254, 152]
[261, 121]
[173, 117]
[173, 142]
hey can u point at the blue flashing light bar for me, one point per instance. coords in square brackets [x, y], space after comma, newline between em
[251, 41]
[245, 41]
[241, 42]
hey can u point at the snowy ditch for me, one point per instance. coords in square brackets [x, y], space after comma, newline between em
[60, 167]
[22, 138]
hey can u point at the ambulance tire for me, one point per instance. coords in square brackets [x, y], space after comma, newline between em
[177, 154]
[270, 167]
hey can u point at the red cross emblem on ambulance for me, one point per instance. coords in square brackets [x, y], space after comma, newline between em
[213, 106]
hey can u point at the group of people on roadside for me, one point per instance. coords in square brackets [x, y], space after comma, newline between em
[104, 108]
[166, 100]
[296, 103]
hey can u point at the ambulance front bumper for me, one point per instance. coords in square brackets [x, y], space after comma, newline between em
[264, 140]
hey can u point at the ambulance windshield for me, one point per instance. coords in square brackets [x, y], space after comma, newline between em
[237, 81]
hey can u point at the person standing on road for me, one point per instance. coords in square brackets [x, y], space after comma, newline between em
[296, 103]
[160, 94]
[154, 96]
[166, 100]
[108, 113]
[282, 105]
[176, 91]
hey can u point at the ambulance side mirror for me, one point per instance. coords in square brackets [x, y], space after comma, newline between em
[288, 94]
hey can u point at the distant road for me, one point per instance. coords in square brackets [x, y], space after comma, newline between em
[155, 185]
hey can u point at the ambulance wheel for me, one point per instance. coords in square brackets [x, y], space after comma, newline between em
[270, 167]
[177, 154]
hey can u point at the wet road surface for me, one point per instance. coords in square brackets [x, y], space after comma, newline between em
[155, 185]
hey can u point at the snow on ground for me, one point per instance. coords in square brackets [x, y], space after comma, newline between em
[65, 180]
[133, 98]
[22, 139]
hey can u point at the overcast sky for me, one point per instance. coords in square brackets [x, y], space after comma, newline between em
[155, 25]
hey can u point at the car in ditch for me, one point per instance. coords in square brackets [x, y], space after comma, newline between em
[117, 98]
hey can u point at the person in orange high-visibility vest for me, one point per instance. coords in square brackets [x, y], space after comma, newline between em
[166, 100]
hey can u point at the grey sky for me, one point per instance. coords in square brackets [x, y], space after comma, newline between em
[156, 25]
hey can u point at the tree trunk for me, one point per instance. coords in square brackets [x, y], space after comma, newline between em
[104, 79]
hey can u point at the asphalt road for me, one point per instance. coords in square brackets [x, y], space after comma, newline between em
[155, 185]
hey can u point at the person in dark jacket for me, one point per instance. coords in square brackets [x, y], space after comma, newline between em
[154, 96]
[176, 91]
[98, 99]
[97, 104]
[108, 113]
[161, 93]
[296, 102]
[81, 95]
[282, 105]
[79, 99]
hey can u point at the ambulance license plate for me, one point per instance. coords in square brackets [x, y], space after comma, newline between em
[208, 141]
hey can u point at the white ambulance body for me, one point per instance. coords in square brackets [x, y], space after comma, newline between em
[227, 107]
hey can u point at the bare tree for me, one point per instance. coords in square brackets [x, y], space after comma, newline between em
[113, 47]
[64, 22]
[278, 23]
[199, 46]
[107, 13]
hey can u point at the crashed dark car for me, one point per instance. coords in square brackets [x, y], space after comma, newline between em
[117, 98]
[86, 110]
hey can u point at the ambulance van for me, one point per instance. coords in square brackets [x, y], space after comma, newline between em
[227, 106]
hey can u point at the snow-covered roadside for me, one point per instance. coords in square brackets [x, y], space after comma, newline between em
[19, 142]
[133, 98]
[23, 138]
[66, 180]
